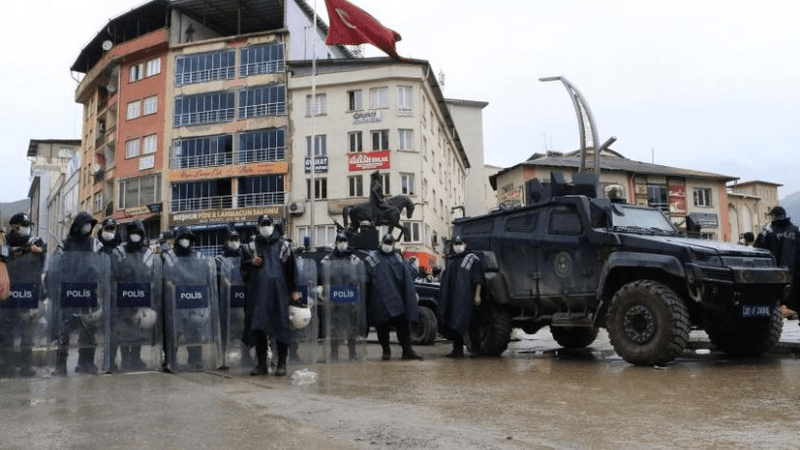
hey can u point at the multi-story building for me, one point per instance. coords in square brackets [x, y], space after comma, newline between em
[749, 204]
[680, 193]
[185, 112]
[381, 115]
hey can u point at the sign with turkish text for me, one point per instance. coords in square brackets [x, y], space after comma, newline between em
[320, 164]
[369, 161]
[225, 215]
[236, 170]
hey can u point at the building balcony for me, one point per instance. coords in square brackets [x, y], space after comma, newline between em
[202, 203]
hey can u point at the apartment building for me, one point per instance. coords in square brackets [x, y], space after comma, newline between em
[374, 115]
[679, 193]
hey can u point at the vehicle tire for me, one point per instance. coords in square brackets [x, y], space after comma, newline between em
[754, 337]
[648, 324]
[494, 330]
[574, 337]
[424, 331]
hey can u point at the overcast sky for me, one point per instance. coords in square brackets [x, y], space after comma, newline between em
[703, 85]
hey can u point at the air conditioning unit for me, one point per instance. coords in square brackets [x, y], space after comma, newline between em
[297, 208]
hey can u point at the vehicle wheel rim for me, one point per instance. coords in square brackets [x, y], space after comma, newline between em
[639, 324]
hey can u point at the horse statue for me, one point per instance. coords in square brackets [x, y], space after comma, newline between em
[387, 214]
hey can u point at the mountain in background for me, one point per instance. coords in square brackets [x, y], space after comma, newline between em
[792, 206]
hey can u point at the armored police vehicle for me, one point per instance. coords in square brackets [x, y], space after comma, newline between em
[575, 262]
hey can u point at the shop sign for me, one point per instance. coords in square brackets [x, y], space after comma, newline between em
[369, 161]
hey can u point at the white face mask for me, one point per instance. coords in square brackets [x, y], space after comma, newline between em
[24, 231]
[233, 245]
[341, 246]
[183, 243]
[87, 228]
[387, 248]
[107, 235]
[459, 249]
[267, 230]
[135, 238]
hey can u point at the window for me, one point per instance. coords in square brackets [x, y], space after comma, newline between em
[564, 221]
[132, 148]
[153, 67]
[98, 202]
[385, 183]
[320, 146]
[354, 100]
[405, 139]
[413, 234]
[260, 59]
[199, 109]
[356, 183]
[139, 191]
[150, 105]
[403, 99]
[207, 151]
[324, 235]
[260, 191]
[318, 107]
[379, 98]
[407, 183]
[355, 141]
[657, 197]
[134, 109]
[263, 145]
[202, 195]
[136, 73]
[262, 101]
[320, 188]
[204, 67]
[150, 144]
[380, 140]
[702, 197]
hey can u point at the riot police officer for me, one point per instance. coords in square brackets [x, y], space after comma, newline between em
[268, 269]
[392, 298]
[460, 292]
[781, 237]
[19, 237]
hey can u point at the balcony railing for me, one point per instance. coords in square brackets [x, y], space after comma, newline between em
[202, 203]
[208, 160]
[260, 199]
[262, 154]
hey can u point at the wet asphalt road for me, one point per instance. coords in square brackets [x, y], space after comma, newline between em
[534, 396]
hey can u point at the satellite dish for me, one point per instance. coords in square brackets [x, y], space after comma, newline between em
[107, 45]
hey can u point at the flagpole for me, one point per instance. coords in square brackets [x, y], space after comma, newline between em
[313, 190]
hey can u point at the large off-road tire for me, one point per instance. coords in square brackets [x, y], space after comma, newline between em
[424, 331]
[495, 330]
[648, 324]
[754, 337]
[574, 337]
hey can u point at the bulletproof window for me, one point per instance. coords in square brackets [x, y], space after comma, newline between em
[564, 220]
[522, 222]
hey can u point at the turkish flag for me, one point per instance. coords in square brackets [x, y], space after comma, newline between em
[352, 25]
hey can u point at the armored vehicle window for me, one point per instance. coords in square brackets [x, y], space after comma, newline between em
[524, 222]
[564, 220]
[478, 227]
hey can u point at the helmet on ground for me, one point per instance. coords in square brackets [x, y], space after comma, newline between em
[299, 316]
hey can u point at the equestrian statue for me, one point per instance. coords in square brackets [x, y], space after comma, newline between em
[378, 210]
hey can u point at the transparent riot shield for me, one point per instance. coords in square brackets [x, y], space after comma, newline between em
[79, 288]
[236, 355]
[192, 334]
[136, 332]
[304, 348]
[345, 309]
[23, 326]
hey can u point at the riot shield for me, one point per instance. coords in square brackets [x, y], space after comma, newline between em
[192, 334]
[236, 355]
[345, 308]
[23, 326]
[79, 287]
[136, 331]
[304, 348]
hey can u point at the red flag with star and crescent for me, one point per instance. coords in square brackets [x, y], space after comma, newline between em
[352, 25]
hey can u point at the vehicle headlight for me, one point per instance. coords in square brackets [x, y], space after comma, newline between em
[705, 258]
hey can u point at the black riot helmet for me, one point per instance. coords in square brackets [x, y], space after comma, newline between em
[341, 237]
[387, 239]
[21, 219]
[777, 213]
[265, 219]
[110, 224]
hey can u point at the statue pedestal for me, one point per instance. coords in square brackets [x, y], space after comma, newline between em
[366, 240]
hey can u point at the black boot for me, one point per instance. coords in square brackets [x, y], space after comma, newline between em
[458, 347]
[404, 336]
[61, 362]
[86, 361]
[261, 368]
[283, 352]
[195, 360]
[383, 339]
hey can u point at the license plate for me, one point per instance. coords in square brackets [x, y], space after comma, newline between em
[756, 310]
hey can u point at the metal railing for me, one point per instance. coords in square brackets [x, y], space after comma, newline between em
[260, 199]
[207, 160]
[202, 203]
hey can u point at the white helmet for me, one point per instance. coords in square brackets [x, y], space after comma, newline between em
[299, 316]
[145, 318]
